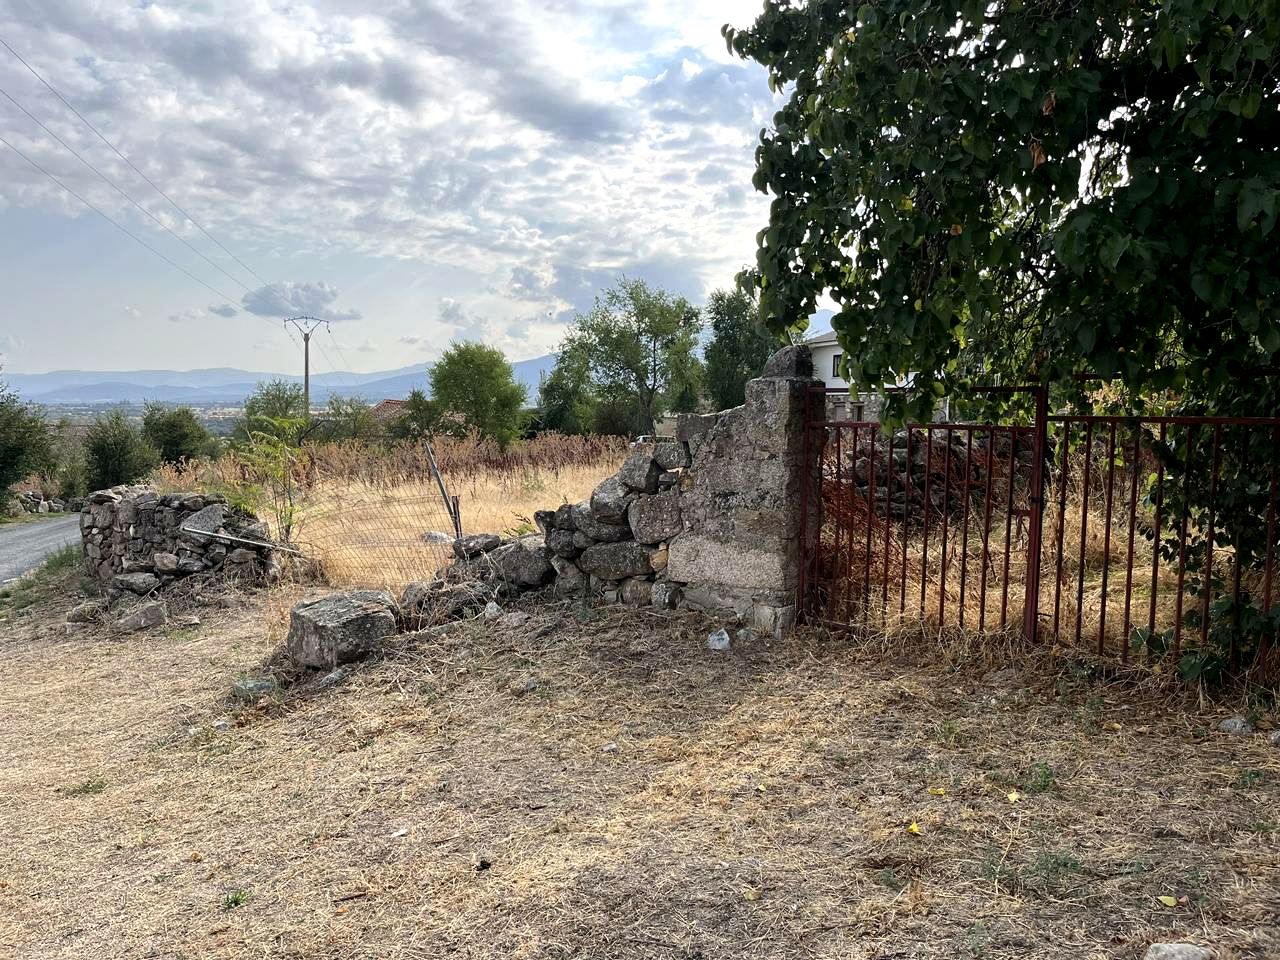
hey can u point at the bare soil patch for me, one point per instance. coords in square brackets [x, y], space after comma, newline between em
[596, 783]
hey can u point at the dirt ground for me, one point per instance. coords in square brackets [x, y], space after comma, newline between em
[597, 784]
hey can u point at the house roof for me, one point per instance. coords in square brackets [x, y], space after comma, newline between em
[821, 338]
[388, 409]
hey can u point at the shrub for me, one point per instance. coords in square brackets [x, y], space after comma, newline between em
[175, 433]
[115, 452]
[25, 443]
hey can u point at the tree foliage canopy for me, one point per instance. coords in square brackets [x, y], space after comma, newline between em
[419, 420]
[738, 348]
[272, 403]
[25, 441]
[175, 432]
[1075, 187]
[637, 345]
[115, 452]
[476, 382]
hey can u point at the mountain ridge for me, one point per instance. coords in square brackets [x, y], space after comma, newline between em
[230, 385]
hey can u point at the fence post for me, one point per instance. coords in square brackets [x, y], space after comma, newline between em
[1031, 601]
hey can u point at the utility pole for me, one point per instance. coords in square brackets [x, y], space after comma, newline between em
[306, 326]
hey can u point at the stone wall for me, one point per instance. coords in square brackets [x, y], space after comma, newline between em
[132, 537]
[34, 501]
[710, 520]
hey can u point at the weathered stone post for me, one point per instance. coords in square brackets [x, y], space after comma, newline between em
[741, 499]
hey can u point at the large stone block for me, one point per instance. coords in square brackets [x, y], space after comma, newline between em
[616, 561]
[639, 471]
[795, 361]
[466, 547]
[695, 558]
[610, 499]
[593, 530]
[655, 518]
[670, 455]
[340, 628]
[523, 563]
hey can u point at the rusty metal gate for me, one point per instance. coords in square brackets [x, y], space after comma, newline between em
[1074, 527]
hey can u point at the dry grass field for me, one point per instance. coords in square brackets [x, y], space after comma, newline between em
[596, 783]
[374, 516]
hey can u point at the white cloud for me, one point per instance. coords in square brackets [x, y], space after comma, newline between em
[133, 312]
[293, 298]
[531, 152]
[223, 310]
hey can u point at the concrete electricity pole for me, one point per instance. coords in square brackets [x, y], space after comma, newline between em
[306, 326]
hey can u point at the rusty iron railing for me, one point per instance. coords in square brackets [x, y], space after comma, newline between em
[1150, 521]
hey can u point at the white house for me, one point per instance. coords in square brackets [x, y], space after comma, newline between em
[827, 355]
[841, 405]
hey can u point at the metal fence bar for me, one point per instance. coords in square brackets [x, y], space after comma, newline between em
[890, 477]
[964, 528]
[1182, 548]
[1206, 581]
[1155, 552]
[928, 509]
[1134, 461]
[871, 517]
[1084, 525]
[1106, 536]
[1008, 529]
[1062, 523]
[986, 531]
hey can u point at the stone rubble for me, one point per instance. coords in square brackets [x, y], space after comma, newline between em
[133, 539]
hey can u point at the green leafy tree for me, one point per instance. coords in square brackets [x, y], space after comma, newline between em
[638, 345]
[273, 405]
[175, 432]
[738, 348]
[477, 383]
[348, 418]
[421, 418]
[25, 443]
[115, 452]
[565, 398]
[1084, 187]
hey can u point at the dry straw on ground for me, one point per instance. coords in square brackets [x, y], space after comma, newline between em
[598, 784]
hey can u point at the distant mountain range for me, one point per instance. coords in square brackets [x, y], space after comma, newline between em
[229, 386]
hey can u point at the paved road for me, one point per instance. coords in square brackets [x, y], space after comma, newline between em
[24, 545]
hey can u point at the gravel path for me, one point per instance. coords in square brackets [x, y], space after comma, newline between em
[23, 546]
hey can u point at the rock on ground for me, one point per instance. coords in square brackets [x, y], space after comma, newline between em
[340, 628]
[1177, 951]
[139, 583]
[1236, 726]
[142, 617]
[474, 545]
[523, 563]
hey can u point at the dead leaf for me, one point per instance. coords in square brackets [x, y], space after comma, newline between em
[1014, 796]
[915, 829]
[938, 791]
[1168, 901]
[1050, 101]
[751, 893]
[1037, 153]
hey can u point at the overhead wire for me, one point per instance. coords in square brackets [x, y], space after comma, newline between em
[120, 190]
[67, 103]
[115, 223]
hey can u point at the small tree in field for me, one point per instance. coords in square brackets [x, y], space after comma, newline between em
[419, 420]
[273, 405]
[115, 453]
[25, 443]
[738, 349]
[349, 418]
[477, 383]
[175, 432]
[638, 343]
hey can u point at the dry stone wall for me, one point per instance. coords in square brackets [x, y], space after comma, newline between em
[133, 538]
[710, 520]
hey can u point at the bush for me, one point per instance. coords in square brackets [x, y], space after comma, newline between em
[115, 452]
[175, 433]
[25, 444]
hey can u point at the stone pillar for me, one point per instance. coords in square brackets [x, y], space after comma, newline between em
[741, 499]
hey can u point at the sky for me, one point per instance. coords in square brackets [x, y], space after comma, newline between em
[432, 171]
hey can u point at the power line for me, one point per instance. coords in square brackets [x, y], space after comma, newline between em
[119, 226]
[114, 186]
[131, 164]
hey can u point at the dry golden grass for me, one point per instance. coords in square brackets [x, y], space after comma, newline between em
[647, 799]
[371, 533]
[366, 512]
